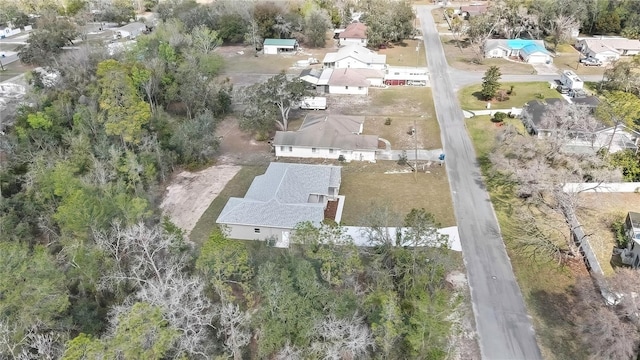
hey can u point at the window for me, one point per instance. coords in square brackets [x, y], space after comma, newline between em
[281, 148]
[359, 87]
[313, 150]
[290, 148]
[346, 87]
[256, 230]
[330, 151]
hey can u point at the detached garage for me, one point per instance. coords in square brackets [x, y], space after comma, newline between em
[276, 46]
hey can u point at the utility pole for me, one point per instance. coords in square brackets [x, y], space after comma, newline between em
[415, 138]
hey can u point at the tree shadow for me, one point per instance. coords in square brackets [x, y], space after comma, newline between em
[558, 331]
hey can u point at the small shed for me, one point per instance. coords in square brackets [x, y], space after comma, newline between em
[276, 46]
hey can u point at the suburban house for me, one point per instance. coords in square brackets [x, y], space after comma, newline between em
[343, 81]
[355, 56]
[406, 75]
[530, 51]
[608, 49]
[328, 137]
[354, 81]
[129, 31]
[8, 31]
[614, 138]
[472, 10]
[284, 196]
[276, 46]
[353, 34]
[631, 254]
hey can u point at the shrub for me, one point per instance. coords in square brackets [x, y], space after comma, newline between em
[539, 96]
[341, 158]
[617, 227]
[498, 117]
[387, 121]
[501, 95]
[403, 158]
[511, 91]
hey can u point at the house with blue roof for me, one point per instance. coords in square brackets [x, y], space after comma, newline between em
[530, 51]
[284, 196]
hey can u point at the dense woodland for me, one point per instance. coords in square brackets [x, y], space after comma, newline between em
[90, 268]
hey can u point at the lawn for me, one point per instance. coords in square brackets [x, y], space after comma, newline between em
[405, 54]
[462, 59]
[470, 98]
[365, 185]
[599, 211]
[14, 69]
[397, 133]
[237, 187]
[547, 287]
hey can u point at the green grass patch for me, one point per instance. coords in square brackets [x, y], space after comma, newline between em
[401, 100]
[405, 54]
[366, 184]
[471, 99]
[236, 187]
[547, 288]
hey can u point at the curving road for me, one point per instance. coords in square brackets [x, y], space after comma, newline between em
[504, 329]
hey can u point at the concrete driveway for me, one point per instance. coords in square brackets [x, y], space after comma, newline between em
[504, 328]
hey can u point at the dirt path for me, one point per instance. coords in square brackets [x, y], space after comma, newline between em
[191, 193]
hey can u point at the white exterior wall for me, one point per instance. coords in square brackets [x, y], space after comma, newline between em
[247, 232]
[629, 52]
[351, 90]
[351, 41]
[10, 32]
[496, 53]
[325, 153]
[350, 62]
[376, 81]
[538, 58]
[605, 56]
[270, 50]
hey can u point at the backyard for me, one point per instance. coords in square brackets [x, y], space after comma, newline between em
[599, 211]
[461, 58]
[547, 287]
[471, 99]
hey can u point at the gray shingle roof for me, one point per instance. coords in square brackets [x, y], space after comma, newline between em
[279, 198]
[333, 132]
[357, 52]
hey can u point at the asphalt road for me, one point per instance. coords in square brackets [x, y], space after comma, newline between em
[504, 329]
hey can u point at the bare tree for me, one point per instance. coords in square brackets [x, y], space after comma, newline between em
[341, 338]
[561, 28]
[153, 262]
[479, 30]
[289, 352]
[378, 222]
[234, 327]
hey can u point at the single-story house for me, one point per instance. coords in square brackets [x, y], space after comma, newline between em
[615, 138]
[130, 31]
[530, 51]
[472, 10]
[8, 31]
[317, 79]
[631, 254]
[284, 196]
[406, 75]
[354, 81]
[327, 137]
[354, 33]
[608, 49]
[355, 56]
[276, 46]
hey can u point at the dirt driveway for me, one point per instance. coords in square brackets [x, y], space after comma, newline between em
[191, 193]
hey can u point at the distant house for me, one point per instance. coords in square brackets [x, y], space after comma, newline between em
[530, 51]
[406, 75]
[129, 31]
[615, 138]
[472, 10]
[285, 195]
[353, 34]
[8, 31]
[276, 46]
[328, 137]
[355, 56]
[608, 49]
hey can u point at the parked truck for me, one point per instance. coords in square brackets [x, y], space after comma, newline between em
[313, 103]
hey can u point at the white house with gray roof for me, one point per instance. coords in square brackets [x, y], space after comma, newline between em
[356, 57]
[328, 137]
[284, 196]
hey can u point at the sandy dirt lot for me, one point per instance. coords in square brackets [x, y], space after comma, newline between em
[191, 193]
